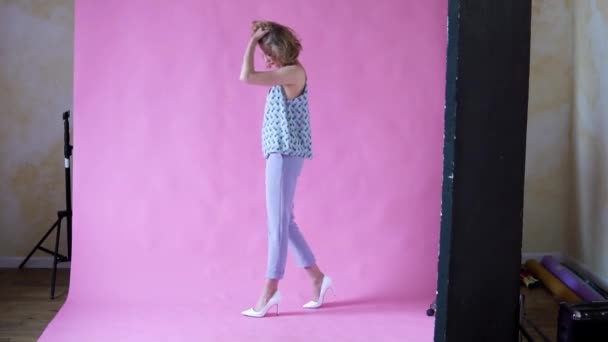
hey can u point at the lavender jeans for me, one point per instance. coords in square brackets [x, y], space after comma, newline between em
[282, 173]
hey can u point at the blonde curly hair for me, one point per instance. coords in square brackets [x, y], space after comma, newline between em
[280, 43]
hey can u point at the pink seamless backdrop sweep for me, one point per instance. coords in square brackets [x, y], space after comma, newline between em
[169, 212]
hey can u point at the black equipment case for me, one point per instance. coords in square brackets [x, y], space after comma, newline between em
[583, 322]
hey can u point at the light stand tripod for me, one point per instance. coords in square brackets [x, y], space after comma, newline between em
[67, 214]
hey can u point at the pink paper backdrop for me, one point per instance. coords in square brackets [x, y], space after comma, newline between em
[169, 205]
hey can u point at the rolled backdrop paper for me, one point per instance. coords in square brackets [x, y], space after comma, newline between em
[575, 283]
[586, 279]
[558, 289]
[170, 231]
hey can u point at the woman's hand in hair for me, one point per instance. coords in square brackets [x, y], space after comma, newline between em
[259, 33]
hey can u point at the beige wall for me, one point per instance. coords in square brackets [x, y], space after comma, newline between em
[548, 171]
[36, 48]
[587, 241]
[566, 195]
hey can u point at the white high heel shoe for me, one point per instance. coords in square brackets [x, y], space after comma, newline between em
[325, 285]
[274, 300]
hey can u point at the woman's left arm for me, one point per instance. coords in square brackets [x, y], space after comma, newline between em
[248, 64]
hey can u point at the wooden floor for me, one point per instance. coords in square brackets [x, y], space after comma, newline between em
[25, 304]
[26, 307]
[541, 310]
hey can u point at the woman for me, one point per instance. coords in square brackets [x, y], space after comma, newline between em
[286, 142]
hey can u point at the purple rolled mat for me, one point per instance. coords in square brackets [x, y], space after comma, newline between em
[571, 280]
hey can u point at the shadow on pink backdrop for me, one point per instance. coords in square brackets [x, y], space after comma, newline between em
[169, 240]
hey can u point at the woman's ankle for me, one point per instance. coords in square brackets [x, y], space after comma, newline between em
[272, 286]
[315, 272]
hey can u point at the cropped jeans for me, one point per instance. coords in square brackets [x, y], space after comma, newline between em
[282, 173]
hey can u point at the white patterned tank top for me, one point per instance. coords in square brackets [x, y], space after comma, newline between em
[286, 126]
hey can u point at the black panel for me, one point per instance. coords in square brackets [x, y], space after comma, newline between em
[485, 135]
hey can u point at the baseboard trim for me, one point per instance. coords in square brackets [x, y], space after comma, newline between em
[34, 262]
[539, 256]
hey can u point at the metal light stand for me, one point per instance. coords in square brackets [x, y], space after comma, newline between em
[62, 214]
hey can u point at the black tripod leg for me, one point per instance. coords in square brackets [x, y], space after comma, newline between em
[69, 236]
[55, 259]
[39, 244]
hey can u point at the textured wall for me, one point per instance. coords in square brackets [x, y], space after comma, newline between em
[566, 203]
[36, 49]
[548, 172]
[588, 238]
